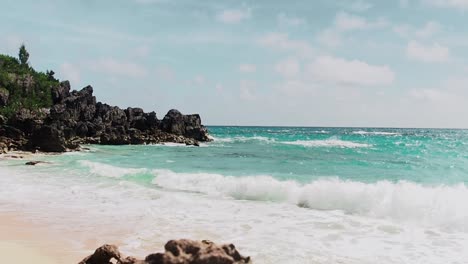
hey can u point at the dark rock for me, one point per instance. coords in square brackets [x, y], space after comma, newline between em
[103, 255]
[173, 122]
[185, 125]
[76, 118]
[48, 139]
[27, 120]
[33, 163]
[60, 92]
[177, 252]
[81, 129]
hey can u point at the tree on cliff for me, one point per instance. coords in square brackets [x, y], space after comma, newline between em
[23, 87]
[23, 55]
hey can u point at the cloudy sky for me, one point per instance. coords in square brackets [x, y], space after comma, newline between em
[400, 63]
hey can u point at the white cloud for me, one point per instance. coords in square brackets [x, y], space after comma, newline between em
[141, 51]
[330, 37]
[283, 42]
[219, 88]
[70, 72]
[247, 90]
[165, 72]
[348, 22]
[233, 16]
[247, 68]
[427, 53]
[430, 29]
[461, 4]
[402, 30]
[360, 6]
[119, 68]
[291, 21]
[149, 1]
[434, 95]
[199, 80]
[345, 22]
[350, 72]
[288, 68]
[404, 3]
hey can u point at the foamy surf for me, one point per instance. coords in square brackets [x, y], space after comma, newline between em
[378, 133]
[402, 201]
[243, 139]
[398, 199]
[105, 170]
[261, 215]
[327, 143]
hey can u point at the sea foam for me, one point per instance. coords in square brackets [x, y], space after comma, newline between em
[381, 133]
[401, 201]
[106, 170]
[328, 143]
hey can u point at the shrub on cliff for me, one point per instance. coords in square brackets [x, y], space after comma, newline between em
[22, 86]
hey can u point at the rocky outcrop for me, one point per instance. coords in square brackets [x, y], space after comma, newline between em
[77, 118]
[177, 252]
[185, 125]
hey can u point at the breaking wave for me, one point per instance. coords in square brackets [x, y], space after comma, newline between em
[106, 170]
[401, 201]
[380, 133]
[328, 143]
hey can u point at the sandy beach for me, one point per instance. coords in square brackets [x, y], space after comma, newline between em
[22, 241]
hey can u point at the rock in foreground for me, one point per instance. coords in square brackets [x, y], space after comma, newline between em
[177, 252]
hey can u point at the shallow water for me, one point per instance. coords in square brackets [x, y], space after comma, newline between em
[282, 195]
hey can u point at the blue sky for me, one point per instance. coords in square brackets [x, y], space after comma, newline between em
[399, 63]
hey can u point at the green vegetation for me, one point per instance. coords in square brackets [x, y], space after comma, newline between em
[23, 55]
[21, 86]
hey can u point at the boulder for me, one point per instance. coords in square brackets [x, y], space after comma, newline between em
[181, 251]
[173, 122]
[34, 163]
[103, 255]
[185, 125]
[48, 139]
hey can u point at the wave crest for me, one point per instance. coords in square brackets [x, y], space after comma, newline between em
[379, 133]
[106, 170]
[328, 143]
[402, 201]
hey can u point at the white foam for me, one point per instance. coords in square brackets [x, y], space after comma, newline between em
[328, 143]
[106, 170]
[243, 139]
[381, 133]
[403, 201]
[84, 208]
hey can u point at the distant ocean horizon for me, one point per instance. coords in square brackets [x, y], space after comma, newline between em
[280, 194]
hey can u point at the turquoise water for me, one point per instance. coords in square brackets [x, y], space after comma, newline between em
[282, 194]
[430, 156]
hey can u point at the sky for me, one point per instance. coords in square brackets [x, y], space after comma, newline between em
[400, 63]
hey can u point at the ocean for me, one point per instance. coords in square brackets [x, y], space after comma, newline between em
[280, 194]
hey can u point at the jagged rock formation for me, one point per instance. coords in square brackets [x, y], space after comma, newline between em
[177, 252]
[76, 118]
